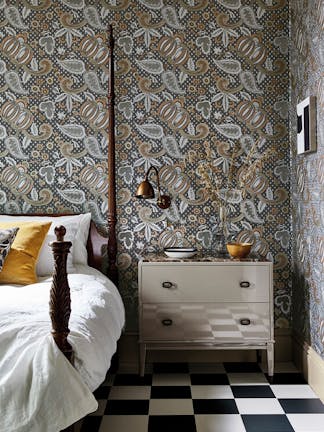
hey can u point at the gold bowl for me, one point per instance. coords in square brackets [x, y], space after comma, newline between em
[239, 250]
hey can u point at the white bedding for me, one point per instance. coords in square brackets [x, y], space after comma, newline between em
[39, 389]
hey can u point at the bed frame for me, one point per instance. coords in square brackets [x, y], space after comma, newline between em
[60, 302]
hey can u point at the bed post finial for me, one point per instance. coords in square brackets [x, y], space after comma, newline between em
[60, 233]
[60, 301]
[112, 241]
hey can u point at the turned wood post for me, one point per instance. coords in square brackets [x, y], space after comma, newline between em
[112, 241]
[60, 301]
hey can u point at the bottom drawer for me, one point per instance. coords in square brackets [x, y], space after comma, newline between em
[206, 322]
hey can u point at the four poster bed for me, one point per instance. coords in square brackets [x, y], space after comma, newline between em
[50, 367]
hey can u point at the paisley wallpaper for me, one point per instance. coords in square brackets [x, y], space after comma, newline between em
[307, 61]
[195, 79]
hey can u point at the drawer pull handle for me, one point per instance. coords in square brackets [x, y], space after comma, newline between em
[245, 284]
[167, 285]
[245, 321]
[167, 322]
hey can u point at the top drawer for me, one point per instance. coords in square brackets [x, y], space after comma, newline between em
[204, 283]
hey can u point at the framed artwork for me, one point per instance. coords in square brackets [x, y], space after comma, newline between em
[306, 125]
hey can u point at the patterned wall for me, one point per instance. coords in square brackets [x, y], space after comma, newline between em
[307, 62]
[195, 78]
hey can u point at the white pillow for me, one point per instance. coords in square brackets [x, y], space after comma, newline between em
[77, 231]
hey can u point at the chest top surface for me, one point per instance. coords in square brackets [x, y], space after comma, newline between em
[200, 258]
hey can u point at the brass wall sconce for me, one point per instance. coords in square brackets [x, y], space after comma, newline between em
[145, 190]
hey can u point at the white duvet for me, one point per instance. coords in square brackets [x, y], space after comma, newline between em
[39, 389]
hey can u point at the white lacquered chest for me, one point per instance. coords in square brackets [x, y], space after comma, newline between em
[205, 304]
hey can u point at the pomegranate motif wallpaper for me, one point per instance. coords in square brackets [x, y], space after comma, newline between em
[195, 79]
[307, 67]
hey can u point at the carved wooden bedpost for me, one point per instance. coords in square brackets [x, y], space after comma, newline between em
[112, 242]
[60, 301]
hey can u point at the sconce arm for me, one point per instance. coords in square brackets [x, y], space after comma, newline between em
[157, 178]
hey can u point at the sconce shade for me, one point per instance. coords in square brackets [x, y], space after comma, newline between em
[145, 190]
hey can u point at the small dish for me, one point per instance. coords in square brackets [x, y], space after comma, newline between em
[180, 252]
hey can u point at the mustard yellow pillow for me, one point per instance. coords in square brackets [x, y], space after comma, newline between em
[20, 265]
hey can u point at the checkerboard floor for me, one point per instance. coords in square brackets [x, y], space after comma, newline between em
[227, 397]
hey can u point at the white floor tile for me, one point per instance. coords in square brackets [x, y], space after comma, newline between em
[211, 392]
[293, 391]
[307, 422]
[247, 378]
[259, 406]
[130, 392]
[171, 407]
[219, 423]
[206, 368]
[175, 379]
[122, 423]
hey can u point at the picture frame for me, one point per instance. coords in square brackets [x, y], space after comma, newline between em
[306, 125]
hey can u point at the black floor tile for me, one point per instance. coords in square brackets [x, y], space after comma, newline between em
[252, 391]
[132, 379]
[241, 367]
[102, 392]
[170, 368]
[286, 378]
[266, 423]
[127, 407]
[298, 406]
[215, 406]
[186, 423]
[170, 392]
[209, 379]
[91, 423]
[172, 423]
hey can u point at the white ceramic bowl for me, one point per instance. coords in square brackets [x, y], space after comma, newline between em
[179, 252]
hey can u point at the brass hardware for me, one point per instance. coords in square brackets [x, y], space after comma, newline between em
[245, 321]
[167, 285]
[145, 190]
[167, 322]
[245, 284]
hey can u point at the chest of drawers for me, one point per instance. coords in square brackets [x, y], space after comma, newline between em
[214, 304]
